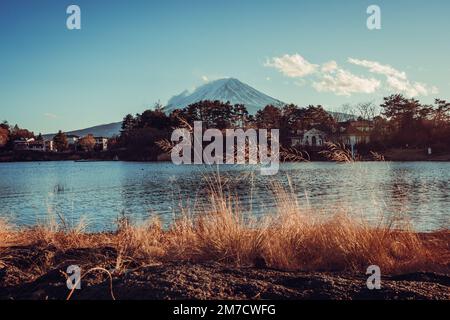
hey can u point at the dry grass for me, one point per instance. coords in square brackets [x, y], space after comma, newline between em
[291, 238]
[338, 152]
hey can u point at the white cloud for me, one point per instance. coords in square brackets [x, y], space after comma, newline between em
[395, 79]
[345, 83]
[376, 67]
[332, 78]
[205, 78]
[292, 66]
[410, 89]
[330, 66]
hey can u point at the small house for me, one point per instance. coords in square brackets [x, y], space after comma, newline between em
[356, 132]
[313, 138]
[101, 143]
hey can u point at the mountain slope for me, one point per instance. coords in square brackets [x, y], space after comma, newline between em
[224, 90]
[104, 130]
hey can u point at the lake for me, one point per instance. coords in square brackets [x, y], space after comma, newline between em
[101, 191]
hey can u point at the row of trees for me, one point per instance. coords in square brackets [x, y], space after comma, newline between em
[407, 122]
[9, 134]
[397, 122]
[61, 143]
[140, 132]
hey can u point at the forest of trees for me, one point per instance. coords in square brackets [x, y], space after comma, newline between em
[141, 132]
[407, 122]
[10, 133]
[401, 122]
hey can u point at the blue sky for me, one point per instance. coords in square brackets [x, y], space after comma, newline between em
[130, 54]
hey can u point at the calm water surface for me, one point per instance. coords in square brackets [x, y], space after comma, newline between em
[100, 191]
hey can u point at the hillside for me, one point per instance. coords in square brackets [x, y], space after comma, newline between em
[104, 130]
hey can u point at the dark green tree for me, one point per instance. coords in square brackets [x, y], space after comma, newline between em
[268, 118]
[316, 117]
[60, 141]
[240, 117]
[407, 118]
[128, 124]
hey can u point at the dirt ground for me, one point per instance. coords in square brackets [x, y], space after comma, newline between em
[215, 281]
[38, 272]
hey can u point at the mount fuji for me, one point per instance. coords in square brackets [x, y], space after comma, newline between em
[229, 89]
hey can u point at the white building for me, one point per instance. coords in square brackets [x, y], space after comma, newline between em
[313, 137]
[22, 144]
[101, 143]
[72, 140]
[34, 145]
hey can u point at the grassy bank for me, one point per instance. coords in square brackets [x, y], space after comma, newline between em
[291, 238]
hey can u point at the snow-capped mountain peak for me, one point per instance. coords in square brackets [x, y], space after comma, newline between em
[227, 89]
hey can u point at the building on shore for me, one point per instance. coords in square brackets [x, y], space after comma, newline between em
[356, 132]
[72, 141]
[22, 144]
[41, 145]
[101, 143]
[34, 145]
[312, 138]
[350, 133]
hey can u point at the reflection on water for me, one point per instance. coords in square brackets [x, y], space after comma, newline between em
[100, 191]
